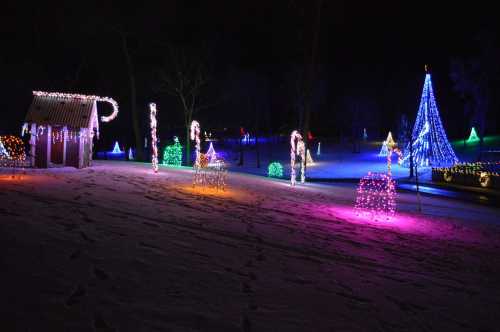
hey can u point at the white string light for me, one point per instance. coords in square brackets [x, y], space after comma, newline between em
[297, 149]
[154, 145]
[83, 97]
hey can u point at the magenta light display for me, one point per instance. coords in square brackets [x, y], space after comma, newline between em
[154, 145]
[376, 196]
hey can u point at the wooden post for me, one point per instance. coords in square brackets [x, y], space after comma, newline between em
[33, 143]
[81, 133]
[65, 137]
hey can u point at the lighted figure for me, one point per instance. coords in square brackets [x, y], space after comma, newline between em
[297, 148]
[275, 170]
[116, 149]
[130, 155]
[365, 135]
[318, 150]
[211, 154]
[388, 144]
[376, 196]
[195, 136]
[473, 138]
[172, 155]
[429, 141]
[3, 152]
[154, 143]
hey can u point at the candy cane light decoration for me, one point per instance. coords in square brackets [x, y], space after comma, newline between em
[108, 100]
[389, 158]
[195, 136]
[154, 156]
[297, 149]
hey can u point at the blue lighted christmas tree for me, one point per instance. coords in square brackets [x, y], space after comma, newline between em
[430, 144]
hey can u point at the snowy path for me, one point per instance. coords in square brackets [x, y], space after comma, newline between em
[115, 247]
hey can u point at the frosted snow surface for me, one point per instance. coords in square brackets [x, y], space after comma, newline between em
[116, 247]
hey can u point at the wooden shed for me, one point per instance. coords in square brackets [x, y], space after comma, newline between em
[62, 128]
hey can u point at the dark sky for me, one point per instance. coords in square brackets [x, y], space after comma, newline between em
[368, 48]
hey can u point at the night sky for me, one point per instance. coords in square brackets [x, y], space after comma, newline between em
[370, 54]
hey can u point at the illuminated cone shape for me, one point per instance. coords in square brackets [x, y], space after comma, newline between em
[430, 143]
[388, 144]
[473, 138]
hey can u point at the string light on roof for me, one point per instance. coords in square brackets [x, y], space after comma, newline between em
[108, 100]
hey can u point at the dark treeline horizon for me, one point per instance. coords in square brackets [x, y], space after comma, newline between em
[370, 63]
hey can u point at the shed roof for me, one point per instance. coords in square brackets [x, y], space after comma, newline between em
[61, 110]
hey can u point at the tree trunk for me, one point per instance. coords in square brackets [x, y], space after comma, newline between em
[188, 146]
[133, 100]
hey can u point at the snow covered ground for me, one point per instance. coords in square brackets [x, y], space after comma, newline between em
[116, 247]
[336, 161]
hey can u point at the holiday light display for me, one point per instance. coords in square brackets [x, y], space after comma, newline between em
[297, 147]
[318, 151]
[211, 154]
[12, 152]
[386, 145]
[116, 149]
[376, 196]
[154, 144]
[365, 134]
[429, 141]
[111, 101]
[275, 170]
[473, 138]
[483, 174]
[130, 154]
[309, 159]
[389, 158]
[3, 152]
[172, 155]
[195, 136]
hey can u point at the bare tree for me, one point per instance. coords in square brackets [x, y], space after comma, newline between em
[133, 93]
[185, 77]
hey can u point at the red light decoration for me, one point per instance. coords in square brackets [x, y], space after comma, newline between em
[13, 151]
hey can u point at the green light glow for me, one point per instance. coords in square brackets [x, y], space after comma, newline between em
[172, 155]
[275, 170]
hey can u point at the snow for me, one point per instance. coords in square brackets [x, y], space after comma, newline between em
[337, 161]
[117, 247]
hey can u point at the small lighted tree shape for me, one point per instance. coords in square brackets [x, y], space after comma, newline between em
[386, 145]
[318, 151]
[473, 138]
[376, 196]
[275, 170]
[130, 154]
[172, 155]
[310, 161]
[211, 154]
[430, 144]
[116, 149]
